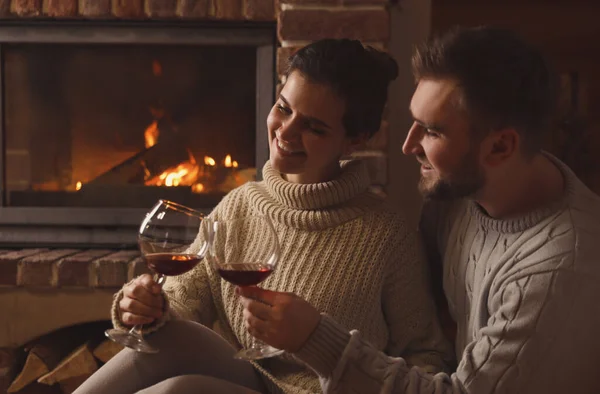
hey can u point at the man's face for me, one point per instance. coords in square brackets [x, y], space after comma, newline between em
[441, 139]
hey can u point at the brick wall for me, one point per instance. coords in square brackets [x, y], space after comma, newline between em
[252, 10]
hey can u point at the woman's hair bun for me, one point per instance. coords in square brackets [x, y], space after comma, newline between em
[385, 62]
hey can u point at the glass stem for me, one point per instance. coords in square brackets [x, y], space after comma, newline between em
[136, 330]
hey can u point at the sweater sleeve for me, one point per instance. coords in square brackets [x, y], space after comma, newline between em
[409, 309]
[527, 346]
[428, 230]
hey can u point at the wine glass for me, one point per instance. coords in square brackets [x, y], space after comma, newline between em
[245, 251]
[165, 239]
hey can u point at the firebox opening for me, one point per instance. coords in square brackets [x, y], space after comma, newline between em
[123, 125]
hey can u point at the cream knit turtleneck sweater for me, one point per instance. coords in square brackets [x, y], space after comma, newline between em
[344, 252]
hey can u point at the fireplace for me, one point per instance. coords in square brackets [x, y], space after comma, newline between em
[100, 120]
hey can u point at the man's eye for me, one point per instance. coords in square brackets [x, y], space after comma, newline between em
[283, 109]
[431, 133]
[316, 130]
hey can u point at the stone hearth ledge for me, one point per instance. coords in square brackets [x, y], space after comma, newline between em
[42, 290]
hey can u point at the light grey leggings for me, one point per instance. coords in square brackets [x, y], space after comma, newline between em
[192, 359]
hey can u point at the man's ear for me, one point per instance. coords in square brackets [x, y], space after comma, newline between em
[499, 146]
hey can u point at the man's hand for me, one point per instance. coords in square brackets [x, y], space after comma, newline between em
[282, 320]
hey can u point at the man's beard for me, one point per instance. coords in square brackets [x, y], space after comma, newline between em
[465, 182]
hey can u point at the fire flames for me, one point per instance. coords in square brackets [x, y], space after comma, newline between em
[187, 173]
[151, 134]
[230, 163]
[201, 177]
[184, 174]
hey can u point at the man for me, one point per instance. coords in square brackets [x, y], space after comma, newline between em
[511, 227]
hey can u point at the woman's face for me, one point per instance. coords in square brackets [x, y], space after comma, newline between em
[306, 134]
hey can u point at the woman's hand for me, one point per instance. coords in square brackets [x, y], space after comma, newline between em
[282, 320]
[142, 301]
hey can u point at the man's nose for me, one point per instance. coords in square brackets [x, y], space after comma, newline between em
[412, 143]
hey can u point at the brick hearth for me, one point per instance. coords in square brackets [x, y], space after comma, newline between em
[69, 268]
[59, 279]
[43, 290]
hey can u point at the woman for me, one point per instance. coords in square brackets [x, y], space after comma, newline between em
[343, 249]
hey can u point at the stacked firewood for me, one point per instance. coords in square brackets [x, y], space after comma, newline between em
[59, 362]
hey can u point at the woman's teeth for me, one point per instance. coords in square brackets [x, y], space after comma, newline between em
[284, 148]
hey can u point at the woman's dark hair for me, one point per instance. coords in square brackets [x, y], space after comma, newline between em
[359, 75]
[504, 81]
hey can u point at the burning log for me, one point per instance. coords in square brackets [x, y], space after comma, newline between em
[150, 162]
[166, 161]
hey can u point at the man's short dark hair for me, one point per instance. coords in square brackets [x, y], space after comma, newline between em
[504, 82]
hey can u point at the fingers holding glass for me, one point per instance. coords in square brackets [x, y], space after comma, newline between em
[171, 243]
[245, 252]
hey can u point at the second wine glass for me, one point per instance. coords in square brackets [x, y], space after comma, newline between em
[245, 251]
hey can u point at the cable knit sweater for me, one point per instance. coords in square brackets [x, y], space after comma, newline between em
[344, 252]
[524, 293]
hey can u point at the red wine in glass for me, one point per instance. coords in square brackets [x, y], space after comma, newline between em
[244, 274]
[245, 251]
[165, 238]
[171, 264]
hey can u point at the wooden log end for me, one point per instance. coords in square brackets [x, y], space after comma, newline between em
[107, 350]
[80, 362]
[34, 368]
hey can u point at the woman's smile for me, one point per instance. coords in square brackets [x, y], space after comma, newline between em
[287, 150]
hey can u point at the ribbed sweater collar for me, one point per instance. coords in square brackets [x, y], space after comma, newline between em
[317, 205]
[524, 222]
[354, 179]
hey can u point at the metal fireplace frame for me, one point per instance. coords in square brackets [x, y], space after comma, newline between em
[117, 227]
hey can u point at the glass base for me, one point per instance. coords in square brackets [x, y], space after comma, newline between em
[258, 352]
[131, 340]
